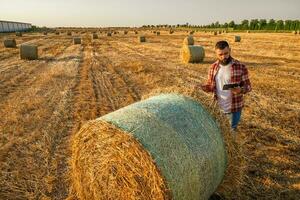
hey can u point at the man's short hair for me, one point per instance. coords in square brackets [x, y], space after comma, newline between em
[221, 45]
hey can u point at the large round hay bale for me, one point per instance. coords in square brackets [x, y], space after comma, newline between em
[19, 34]
[10, 43]
[94, 36]
[77, 40]
[237, 38]
[141, 39]
[192, 54]
[189, 40]
[167, 146]
[29, 52]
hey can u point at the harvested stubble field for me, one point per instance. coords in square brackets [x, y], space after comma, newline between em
[43, 102]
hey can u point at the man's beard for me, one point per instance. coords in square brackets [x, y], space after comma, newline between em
[226, 61]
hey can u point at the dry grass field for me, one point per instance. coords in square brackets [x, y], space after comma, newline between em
[43, 102]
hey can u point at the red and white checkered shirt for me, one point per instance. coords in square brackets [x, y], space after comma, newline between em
[239, 74]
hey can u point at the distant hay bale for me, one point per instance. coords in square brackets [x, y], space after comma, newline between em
[125, 32]
[29, 52]
[77, 40]
[136, 32]
[108, 34]
[45, 33]
[142, 39]
[157, 33]
[94, 36]
[237, 38]
[189, 40]
[154, 32]
[220, 32]
[69, 33]
[215, 33]
[171, 32]
[295, 32]
[192, 32]
[10, 43]
[168, 146]
[19, 34]
[192, 54]
[248, 31]
[56, 33]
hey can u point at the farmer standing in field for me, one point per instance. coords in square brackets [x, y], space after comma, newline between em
[228, 80]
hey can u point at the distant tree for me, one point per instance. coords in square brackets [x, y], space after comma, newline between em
[262, 24]
[279, 25]
[271, 24]
[231, 24]
[245, 24]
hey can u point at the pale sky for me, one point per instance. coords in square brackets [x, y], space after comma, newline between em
[100, 13]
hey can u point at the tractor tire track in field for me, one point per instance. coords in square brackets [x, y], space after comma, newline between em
[34, 134]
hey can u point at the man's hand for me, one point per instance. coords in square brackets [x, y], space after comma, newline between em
[205, 88]
[237, 90]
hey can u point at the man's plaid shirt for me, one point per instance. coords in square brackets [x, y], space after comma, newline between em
[239, 74]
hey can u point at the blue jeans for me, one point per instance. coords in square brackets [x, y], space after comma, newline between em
[234, 118]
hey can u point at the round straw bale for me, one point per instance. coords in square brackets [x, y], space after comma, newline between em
[69, 33]
[109, 34]
[10, 43]
[94, 36]
[29, 52]
[45, 33]
[125, 32]
[215, 33]
[171, 32]
[57, 33]
[19, 34]
[237, 38]
[167, 146]
[189, 40]
[141, 38]
[192, 54]
[77, 40]
[192, 32]
[157, 33]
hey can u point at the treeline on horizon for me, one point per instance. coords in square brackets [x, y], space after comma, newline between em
[253, 24]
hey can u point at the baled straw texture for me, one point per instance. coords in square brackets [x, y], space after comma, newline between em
[77, 40]
[29, 52]
[237, 38]
[10, 43]
[189, 40]
[141, 38]
[236, 157]
[94, 36]
[192, 54]
[182, 138]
